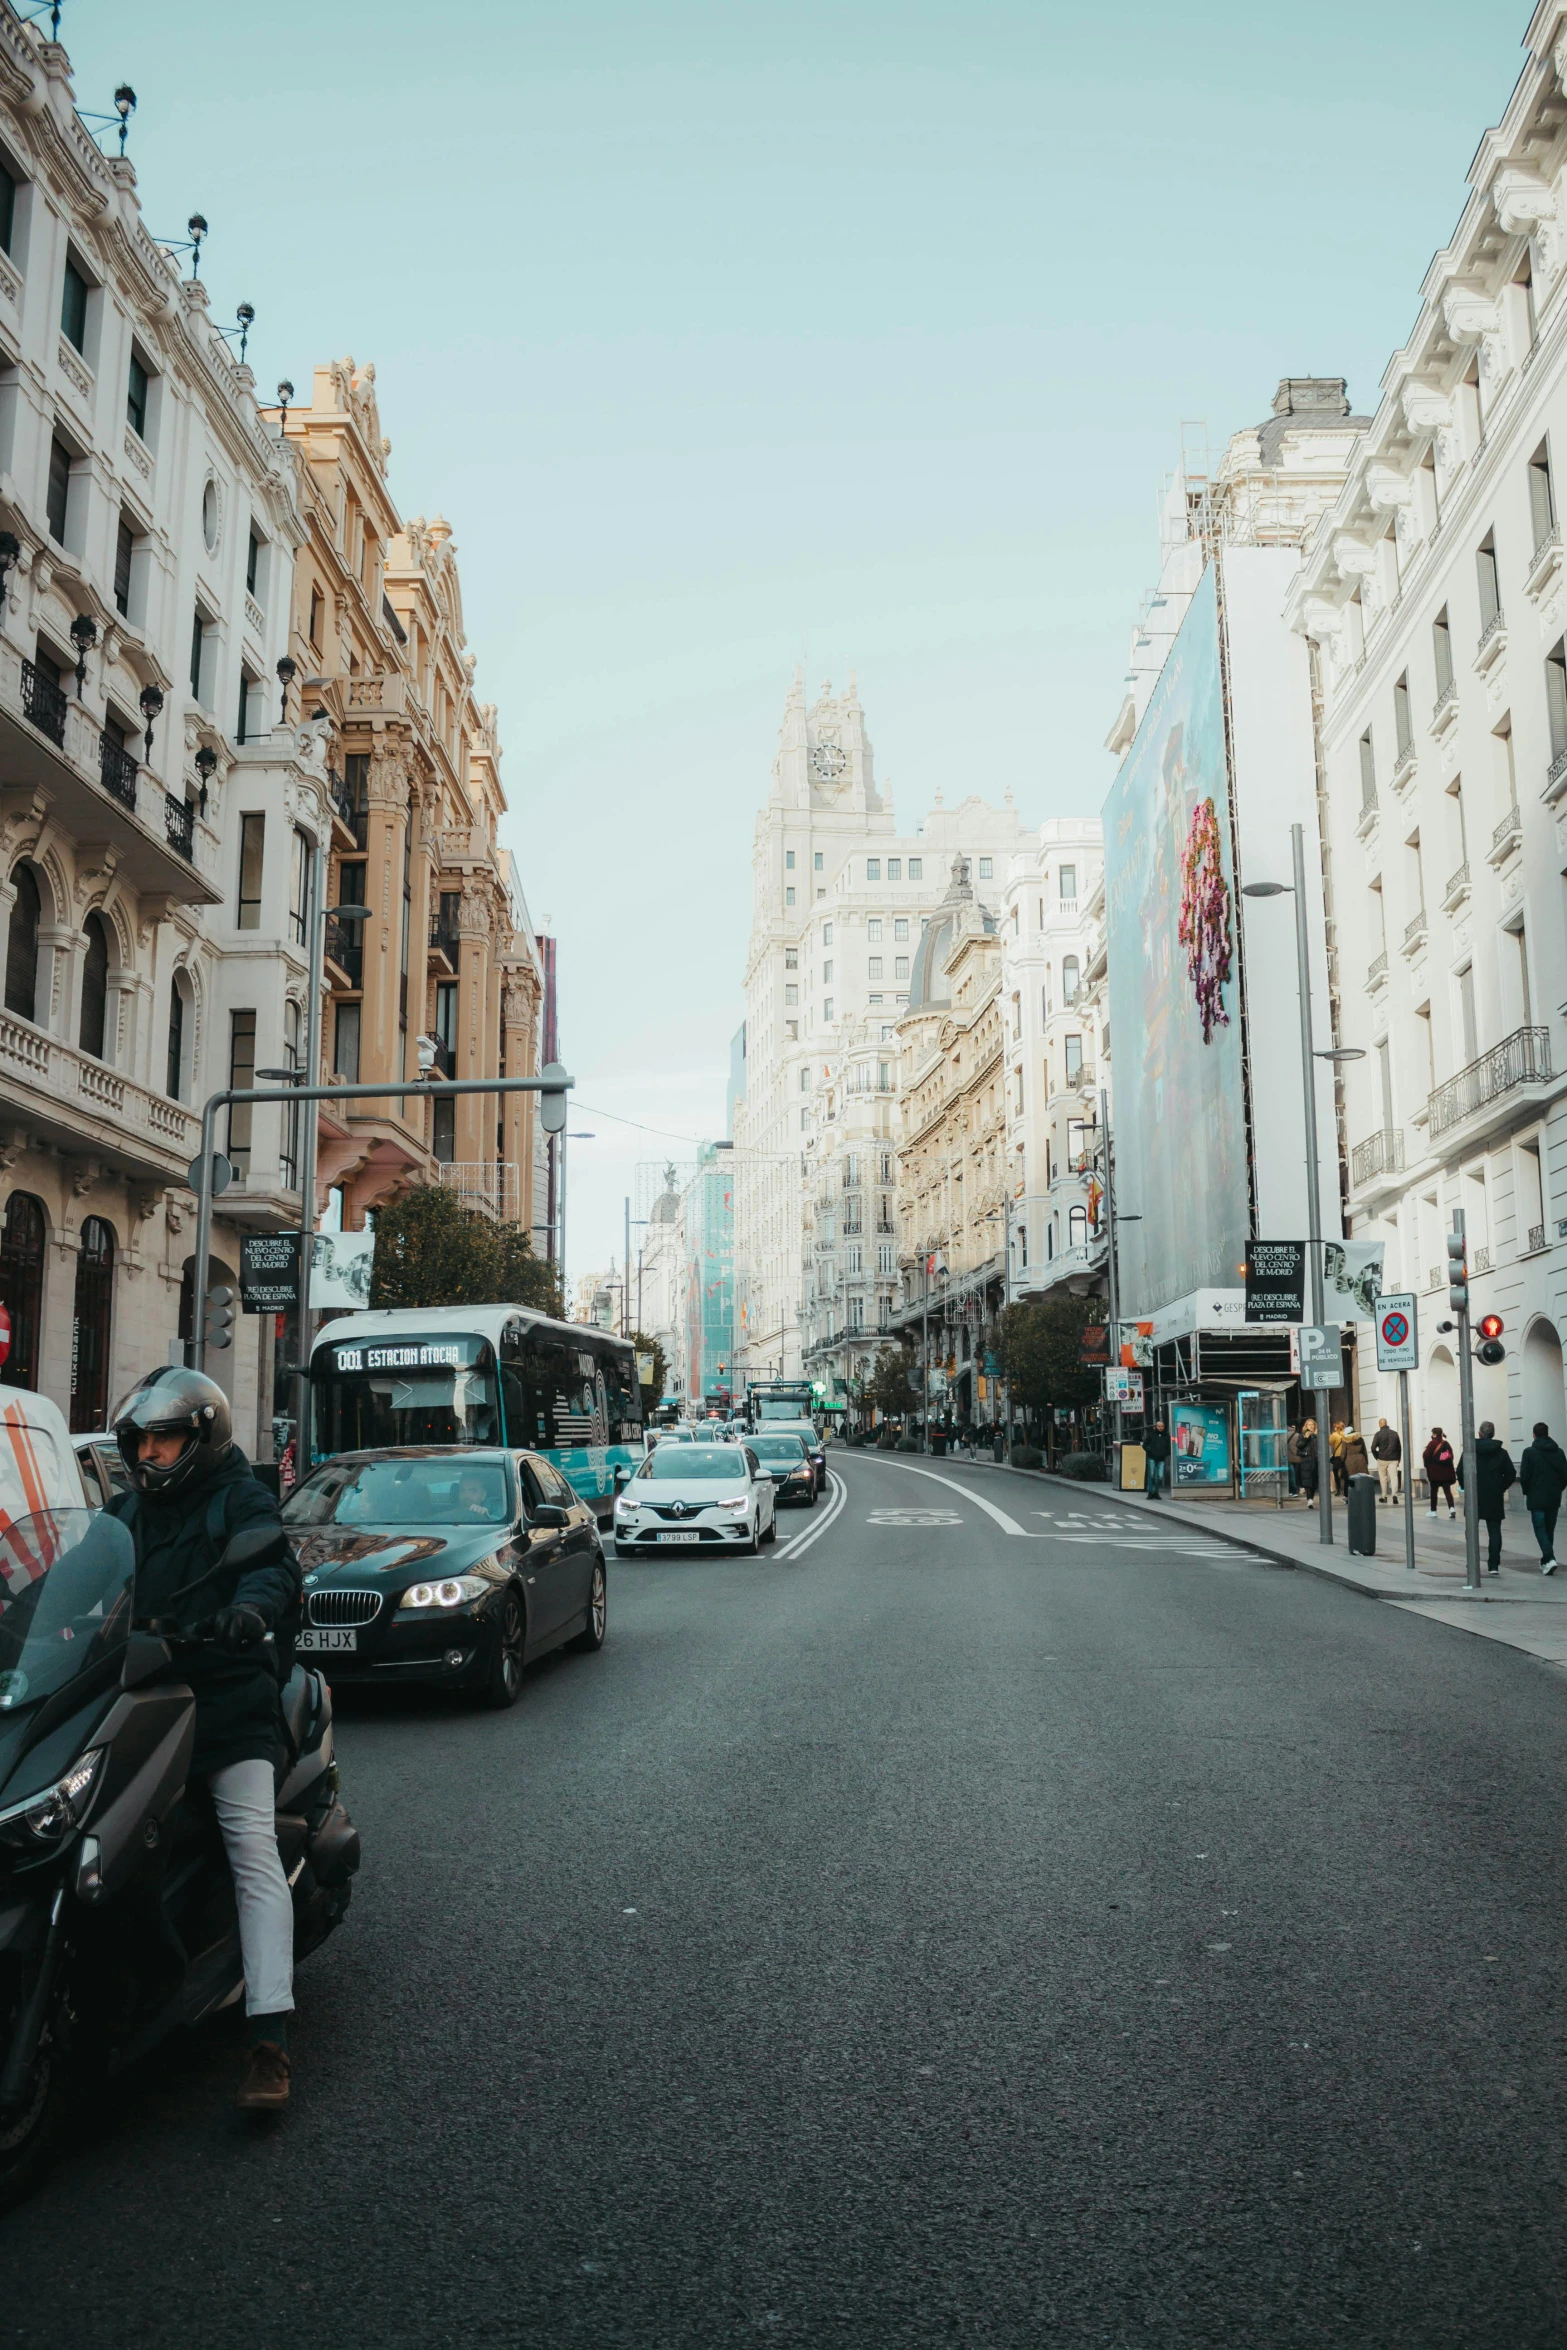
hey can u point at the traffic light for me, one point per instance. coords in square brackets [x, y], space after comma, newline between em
[1457, 1273]
[1490, 1348]
[220, 1317]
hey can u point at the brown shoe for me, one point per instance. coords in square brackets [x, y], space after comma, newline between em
[265, 2086]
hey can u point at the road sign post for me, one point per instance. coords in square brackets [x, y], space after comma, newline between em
[1458, 1299]
[1398, 1349]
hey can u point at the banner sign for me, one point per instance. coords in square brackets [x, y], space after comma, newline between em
[268, 1272]
[1276, 1281]
[340, 1269]
[1398, 1331]
[1351, 1279]
[1093, 1345]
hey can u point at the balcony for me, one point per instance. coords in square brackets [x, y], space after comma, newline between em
[1444, 710]
[1379, 1154]
[1524, 1058]
[1376, 972]
[1492, 645]
[1507, 837]
[1365, 822]
[1555, 779]
[347, 812]
[1416, 931]
[1535, 1241]
[98, 792]
[1457, 889]
[78, 1102]
[495, 1190]
[445, 946]
[179, 825]
[1544, 564]
[345, 948]
[445, 1062]
[1404, 767]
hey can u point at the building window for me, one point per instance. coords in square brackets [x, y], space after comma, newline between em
[805, 1080]
[1073, 1046]
[22, 1285]
[900, 928]
[299, 888]
[986, 868]
[1555, 698]
[788, 897]
[916, 868]
[174, 1065]
[21, 959]
[788, 860]
[345, 1043]
[95, 988]
[1066, 882]
[1442, 654]
[894, 868]
[873, 931]
[816, 861]
[900, 966]
[827, 1008]
[242, 1077]
[805, 1120]
[1077, 1227]
[875, 967]
[1542, 498]
[124, 555]
[252, 564]
[90, 1327]
[1069, 979]
[827, 934]
[1403, 732]
[792, 993]
[57, 497]
[73, 307]
[873, 868]
[315, 617]
[7, 209]
[1490, 589]
[1368, 771]
[791, 958]
[252, 856]
[792, 1030]
[198, 638]
[136, 398]
[827, 972]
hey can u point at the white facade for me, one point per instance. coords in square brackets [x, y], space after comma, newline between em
[157, 519]
[839, 894]
[1436, 596]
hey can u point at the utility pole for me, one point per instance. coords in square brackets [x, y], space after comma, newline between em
[1308, 1063]
[625, 1278]
[1115, 1280]
[925, 1350]
[1458, 1300]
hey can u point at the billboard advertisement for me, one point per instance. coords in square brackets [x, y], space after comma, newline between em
[1172, 923]
[1200, 1444]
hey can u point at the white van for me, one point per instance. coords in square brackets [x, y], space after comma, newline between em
[38, 1467]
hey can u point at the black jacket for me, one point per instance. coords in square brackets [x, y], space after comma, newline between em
[1494, 1472]
[1385, 1445]
[1156, 1444]
[1542, 1473]
[239, 1717]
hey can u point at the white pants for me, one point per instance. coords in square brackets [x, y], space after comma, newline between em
[243, 1799]
[1388, 1479]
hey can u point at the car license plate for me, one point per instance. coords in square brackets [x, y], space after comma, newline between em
[316, 1641]
[686, 1537]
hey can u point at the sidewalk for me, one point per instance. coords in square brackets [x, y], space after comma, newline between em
[1520, 1606]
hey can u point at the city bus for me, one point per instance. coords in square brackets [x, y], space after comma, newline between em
[480, 1375]
[781, 1399]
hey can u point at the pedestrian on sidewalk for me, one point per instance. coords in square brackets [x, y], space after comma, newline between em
[1292, 1454]
[1542, 1472]
[1308, 1462]
[1336, 1454]
[1354, 1456]
[1437, 1461]
[1156, 1449]
[1494, 1472]
[1388, 1453]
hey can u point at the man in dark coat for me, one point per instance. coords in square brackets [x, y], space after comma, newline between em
[1542, 1472]
[1494, 1472]
[192, 1496]
[1156, 1451]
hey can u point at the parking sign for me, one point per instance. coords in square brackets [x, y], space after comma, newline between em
[1398, 1335]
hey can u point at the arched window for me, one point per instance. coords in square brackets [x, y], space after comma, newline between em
[1069, 979]
[22, 1285]
[90, 1328]
[1077, 1228]
[174, 1082]
[95, 987]
[21, 958]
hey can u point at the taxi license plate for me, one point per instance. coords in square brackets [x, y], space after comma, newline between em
[316, 1641]
[687, 1537]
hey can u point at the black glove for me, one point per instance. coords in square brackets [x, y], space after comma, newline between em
[235, 1628]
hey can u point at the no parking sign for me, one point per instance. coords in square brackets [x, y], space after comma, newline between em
[1398, 1340]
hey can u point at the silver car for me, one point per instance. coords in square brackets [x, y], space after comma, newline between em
[696, 1497]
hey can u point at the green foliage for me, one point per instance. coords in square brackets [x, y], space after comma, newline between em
[1037, 1350]
[1089, 1467]
[653, 1394]
[887, 1384]
[432, 1251]
[1026, 1456]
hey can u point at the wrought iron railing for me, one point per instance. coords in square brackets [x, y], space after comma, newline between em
[43, 702]
[1548, 545]
[1416, 927]
[444, 938]
[1509, 829]
[179, 825]
[1444, 700]
[1404, 761]
[117, 770]
[1379, 1154]
[1536, 1240]
[355, 817]
[1554, 773]
[1457, 884]
[344, 946]
[1376, 970]
[1493, 626]
[1520, 1059]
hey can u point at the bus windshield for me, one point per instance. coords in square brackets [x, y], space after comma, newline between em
[393, 1391]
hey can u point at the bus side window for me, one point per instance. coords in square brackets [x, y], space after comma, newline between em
[514, 1404]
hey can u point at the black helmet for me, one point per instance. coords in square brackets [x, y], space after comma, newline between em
[175, 1402]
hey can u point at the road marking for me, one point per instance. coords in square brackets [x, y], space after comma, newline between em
[1007, 1525]
[802, 1542]
[915, 1518]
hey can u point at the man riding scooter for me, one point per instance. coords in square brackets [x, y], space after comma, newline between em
[192, 1492]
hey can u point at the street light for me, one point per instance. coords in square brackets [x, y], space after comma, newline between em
[1309, 1054]
[578, 1135]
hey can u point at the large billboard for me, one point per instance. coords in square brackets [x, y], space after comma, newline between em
[1174, 973]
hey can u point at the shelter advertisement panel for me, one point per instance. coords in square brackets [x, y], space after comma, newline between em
[1180, 1121]
[1200, 1444]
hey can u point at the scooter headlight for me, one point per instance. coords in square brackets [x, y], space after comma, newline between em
[52, 1813]
[453, 1591]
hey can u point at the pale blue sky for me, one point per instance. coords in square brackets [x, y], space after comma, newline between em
[716, 329]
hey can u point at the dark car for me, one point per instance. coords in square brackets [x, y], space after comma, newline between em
[450, 1565]
[789, 1465]
[815, 1449]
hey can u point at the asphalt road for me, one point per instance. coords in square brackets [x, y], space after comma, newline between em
[936, 1934]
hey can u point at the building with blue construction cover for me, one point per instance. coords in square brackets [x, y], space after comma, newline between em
[709, 1222]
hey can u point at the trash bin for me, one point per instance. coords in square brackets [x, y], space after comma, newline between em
[1363, 1517]
[997, 1451]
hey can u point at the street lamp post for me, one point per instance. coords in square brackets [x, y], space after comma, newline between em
[1309, 1057]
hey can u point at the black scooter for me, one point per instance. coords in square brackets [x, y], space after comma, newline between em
[117, 1916]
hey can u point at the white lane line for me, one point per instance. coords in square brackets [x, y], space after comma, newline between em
[802, 1542]
[1007, 1525]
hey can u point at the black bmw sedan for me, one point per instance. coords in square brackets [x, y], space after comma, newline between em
[456, 1566]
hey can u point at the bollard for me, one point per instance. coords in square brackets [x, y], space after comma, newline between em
[1363, 1517]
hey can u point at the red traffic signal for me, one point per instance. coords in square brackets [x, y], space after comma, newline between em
[1491, 1326]
[1490, 1349]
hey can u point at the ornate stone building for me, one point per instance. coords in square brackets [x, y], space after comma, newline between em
[447, 951]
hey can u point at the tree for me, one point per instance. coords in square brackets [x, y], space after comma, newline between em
[652, 1389]
[1038, 1351]
[888, 1385]
[432, 1251]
